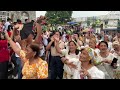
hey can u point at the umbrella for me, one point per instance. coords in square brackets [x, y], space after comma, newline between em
[71, 23]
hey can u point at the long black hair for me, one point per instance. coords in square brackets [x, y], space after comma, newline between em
[76, 51]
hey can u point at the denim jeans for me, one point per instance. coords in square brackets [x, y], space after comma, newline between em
[18, 60]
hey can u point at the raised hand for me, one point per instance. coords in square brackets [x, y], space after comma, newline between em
[84, 73]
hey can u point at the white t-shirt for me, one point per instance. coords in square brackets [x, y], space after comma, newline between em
[19, 47]
[45, 40]
[42, 51]
[6, 25]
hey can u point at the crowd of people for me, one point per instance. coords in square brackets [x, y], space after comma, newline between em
[38, 50]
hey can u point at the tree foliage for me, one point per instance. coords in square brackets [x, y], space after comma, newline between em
[58, 17]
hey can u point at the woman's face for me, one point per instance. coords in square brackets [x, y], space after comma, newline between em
[92, 44]
[84, 56]
[103, 47]
[72, 46]
[106, 38]
[2, 36]
[29, 53]
[57, 34]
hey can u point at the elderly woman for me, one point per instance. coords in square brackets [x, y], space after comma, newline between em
[104, 60]
[86, 70]
[33, 66]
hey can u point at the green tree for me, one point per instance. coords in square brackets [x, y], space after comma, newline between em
[58, 17]
[88, 21]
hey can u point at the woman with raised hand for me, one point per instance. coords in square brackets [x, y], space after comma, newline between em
[33, 66]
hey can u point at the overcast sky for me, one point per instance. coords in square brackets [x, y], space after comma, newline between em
[78, 13]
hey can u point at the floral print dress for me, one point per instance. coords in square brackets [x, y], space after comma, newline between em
[37, 70]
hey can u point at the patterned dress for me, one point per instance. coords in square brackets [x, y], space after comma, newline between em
[34, 71]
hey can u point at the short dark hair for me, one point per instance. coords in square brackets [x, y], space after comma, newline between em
[35, 48]
[3, 21]
[103, 42]
[8, 19]
[32, 21]
[19, 21]
[10, 27]
[26, 20]
[14, 23]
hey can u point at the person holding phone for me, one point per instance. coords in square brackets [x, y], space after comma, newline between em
[116, 47]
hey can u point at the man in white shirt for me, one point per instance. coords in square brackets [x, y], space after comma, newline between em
[7, 23]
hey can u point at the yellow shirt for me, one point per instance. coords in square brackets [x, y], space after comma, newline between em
[34, 71]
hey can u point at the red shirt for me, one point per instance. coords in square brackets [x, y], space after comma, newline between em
[9, 33]
[4, 52]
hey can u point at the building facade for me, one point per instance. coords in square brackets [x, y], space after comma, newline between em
[14, 15]
[109, 21]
